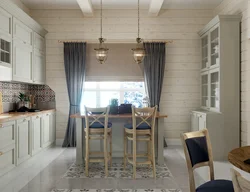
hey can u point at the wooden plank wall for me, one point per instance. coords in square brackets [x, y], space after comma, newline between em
[181, 89]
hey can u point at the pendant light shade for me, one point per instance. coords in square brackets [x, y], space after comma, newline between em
[101, 51]
[139, 51]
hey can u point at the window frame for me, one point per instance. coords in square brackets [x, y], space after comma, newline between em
[121, 91]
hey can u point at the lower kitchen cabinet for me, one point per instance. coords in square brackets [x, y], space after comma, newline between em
[36, 134]
[23, 139]
[52, 128]
[7, 147]
[46, 130]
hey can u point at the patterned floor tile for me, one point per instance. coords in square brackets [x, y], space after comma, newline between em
[96, 170]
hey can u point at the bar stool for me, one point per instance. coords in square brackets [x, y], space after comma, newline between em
[97, 129]
[141, 131]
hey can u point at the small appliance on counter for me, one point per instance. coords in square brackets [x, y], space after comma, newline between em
[125, 108]
[25, 109]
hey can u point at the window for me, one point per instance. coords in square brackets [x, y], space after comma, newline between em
[99, 94]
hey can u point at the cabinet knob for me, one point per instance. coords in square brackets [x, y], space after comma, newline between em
[24, 120]
[1, 153]
[47, 114]
[37, 117]
[1, 126]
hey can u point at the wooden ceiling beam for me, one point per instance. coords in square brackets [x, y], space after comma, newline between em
[155, 7]
[86, 7]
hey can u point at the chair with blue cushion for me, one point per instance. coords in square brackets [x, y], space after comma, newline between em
[141, 129]
[97, 127]
[198, 152]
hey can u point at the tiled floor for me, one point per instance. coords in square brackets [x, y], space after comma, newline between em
[51, 177]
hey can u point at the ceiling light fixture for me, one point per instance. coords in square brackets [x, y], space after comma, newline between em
[139, 51]
[102, 51]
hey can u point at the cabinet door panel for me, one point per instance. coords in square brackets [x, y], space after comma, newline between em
[46, 130]
[23, 134]
[39, 43]
[5, 20]
[39, 68]
[22, 32]
[22, 63]
[202, 122]
[7, 134]
[7, 159]
[36, 134]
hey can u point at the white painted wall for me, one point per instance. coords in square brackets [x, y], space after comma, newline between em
[242, 7]
[21, 6]
[181, 89]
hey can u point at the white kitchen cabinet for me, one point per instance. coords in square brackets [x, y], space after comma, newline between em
[36, 134]
[5, 38]
[39, 68]
[52, 127]
[7, 146]
[22, 62]
[6, 22]
[22, 33]
[39, 43]
[23, 139]
[46, 130]
[220, 84]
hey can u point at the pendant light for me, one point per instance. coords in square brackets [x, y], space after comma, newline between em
[102, 51]
[139, 51]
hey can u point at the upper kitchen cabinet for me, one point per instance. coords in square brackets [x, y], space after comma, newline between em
[22, 46]
[39, 69]
[22, 33]
[22, 62]
[5, 38]
[220, 64]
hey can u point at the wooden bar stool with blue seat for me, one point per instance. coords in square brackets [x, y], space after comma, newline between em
[141, 130]
[198, 152]
[98, 128]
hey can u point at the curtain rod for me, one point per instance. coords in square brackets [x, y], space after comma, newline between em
[95, 41]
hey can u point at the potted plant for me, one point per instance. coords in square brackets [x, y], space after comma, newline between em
[24, 100]
[113, 106]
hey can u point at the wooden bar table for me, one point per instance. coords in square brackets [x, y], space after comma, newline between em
[237, 157]
[118, 121]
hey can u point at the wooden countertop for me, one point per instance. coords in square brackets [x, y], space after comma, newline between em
[122, 116]
[238, 156]
[5, 117]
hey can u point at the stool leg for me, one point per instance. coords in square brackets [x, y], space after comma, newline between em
[125, 150]
[105, 154]
[134, 156]
[149, 151]
[87, 155]
[110, 146]
[153, 155]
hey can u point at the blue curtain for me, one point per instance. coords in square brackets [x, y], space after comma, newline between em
[75, 65]
[154, 67]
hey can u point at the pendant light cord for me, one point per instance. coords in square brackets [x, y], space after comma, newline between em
[101, 18]
[138, 18]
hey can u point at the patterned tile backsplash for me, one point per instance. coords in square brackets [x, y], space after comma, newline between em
[10, 91]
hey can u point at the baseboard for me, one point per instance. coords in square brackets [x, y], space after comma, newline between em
[59, 142]
[171, 142]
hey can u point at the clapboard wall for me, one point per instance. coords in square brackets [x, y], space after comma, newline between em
[242, 7]
[181, 89]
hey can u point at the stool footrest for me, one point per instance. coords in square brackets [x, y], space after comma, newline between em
[140, 163]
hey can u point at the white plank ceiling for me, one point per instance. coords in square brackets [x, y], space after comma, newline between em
[121, 4]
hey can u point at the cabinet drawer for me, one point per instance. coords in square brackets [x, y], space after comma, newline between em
[7, 159]
[22, 32]
[5, 20]
[7, 134]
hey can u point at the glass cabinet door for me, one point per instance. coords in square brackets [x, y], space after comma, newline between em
[204, 90]
[214, 89]
[204, 44]
[214, 36]
[5, 52]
